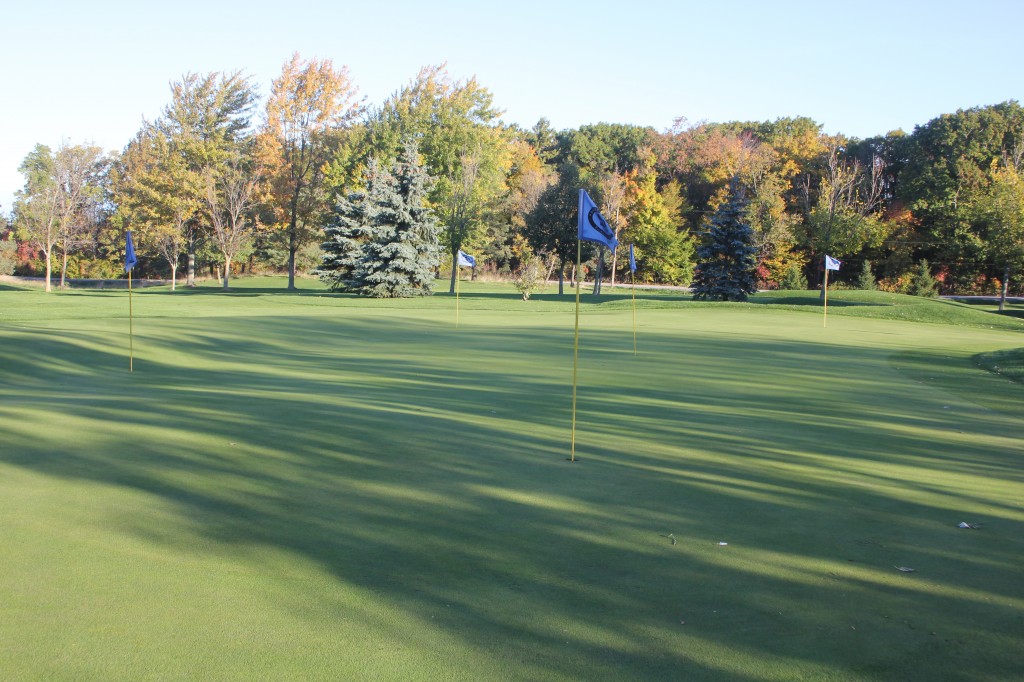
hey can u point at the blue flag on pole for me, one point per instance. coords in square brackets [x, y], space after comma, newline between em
[592, 226]
[466, 261]
[632, 259]
[831, 263]
[129, 253]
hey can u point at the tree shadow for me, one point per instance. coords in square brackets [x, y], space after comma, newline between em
[428, 468]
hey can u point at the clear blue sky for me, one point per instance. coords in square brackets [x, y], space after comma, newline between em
[90, 71]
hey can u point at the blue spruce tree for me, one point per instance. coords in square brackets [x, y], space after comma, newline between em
[347, 232]
[727, 257]
[403, 247]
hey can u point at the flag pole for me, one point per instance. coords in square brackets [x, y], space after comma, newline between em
[455, 267]
[632, 283]
[576, 350]
[824, 317]
[131, 336]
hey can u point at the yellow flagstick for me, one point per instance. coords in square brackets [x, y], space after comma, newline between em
[455, 265]
[824, 317]
[575, 350]
[632, 282]
[131, 336]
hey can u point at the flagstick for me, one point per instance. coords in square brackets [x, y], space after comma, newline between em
[455, 264]
[576, 350]
[131, 341]
[632, 282]
[824, 317]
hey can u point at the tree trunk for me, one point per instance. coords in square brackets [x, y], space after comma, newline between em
[455, 271]
[293, 235]
[599, 271]
[174, 275]
[227, 271]
[615, 262]
[46, 254]
[291, 256]
[561, 278]
[1005, 288]
[190, 270]
[63, 268]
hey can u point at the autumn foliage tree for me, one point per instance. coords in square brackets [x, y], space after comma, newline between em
[157, 194]
[311, 103]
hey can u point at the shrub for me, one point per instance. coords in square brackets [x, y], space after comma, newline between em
[793, 278]
[528, 279]
[8, 256]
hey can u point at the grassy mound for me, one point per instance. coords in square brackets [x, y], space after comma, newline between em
[1005, 363]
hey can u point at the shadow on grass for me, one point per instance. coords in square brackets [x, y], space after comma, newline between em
[1010, 313]
[428, 468]
[813, 301]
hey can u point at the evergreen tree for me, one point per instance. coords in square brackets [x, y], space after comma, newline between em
[866, 280]
[922, 283]
[347, 232]
[403, 249]
[727, 258]
[792, 278]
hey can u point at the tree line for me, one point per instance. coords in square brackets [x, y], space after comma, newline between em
[224, 181]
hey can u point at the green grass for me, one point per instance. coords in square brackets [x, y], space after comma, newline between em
[1006, 363]
[313, 486]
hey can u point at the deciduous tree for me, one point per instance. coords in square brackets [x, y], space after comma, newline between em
[551, 227]
[846, 216]
[78, 173]
[1001, 209]
[157, 194]
[53, 208]
[207, 119]
[230, 193]
[310, 104]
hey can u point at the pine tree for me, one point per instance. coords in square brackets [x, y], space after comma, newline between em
[866, 280]
[922, 283]
[727, 258]
[403, 249]
[347, 233]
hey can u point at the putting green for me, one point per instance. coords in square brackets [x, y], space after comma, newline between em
[310, 486]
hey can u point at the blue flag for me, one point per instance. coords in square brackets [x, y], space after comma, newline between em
[831, 263]
[466, 261]
[129, 254]
[632, 259]
[592, 226]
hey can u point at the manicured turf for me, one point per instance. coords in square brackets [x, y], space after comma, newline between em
[311, 486]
